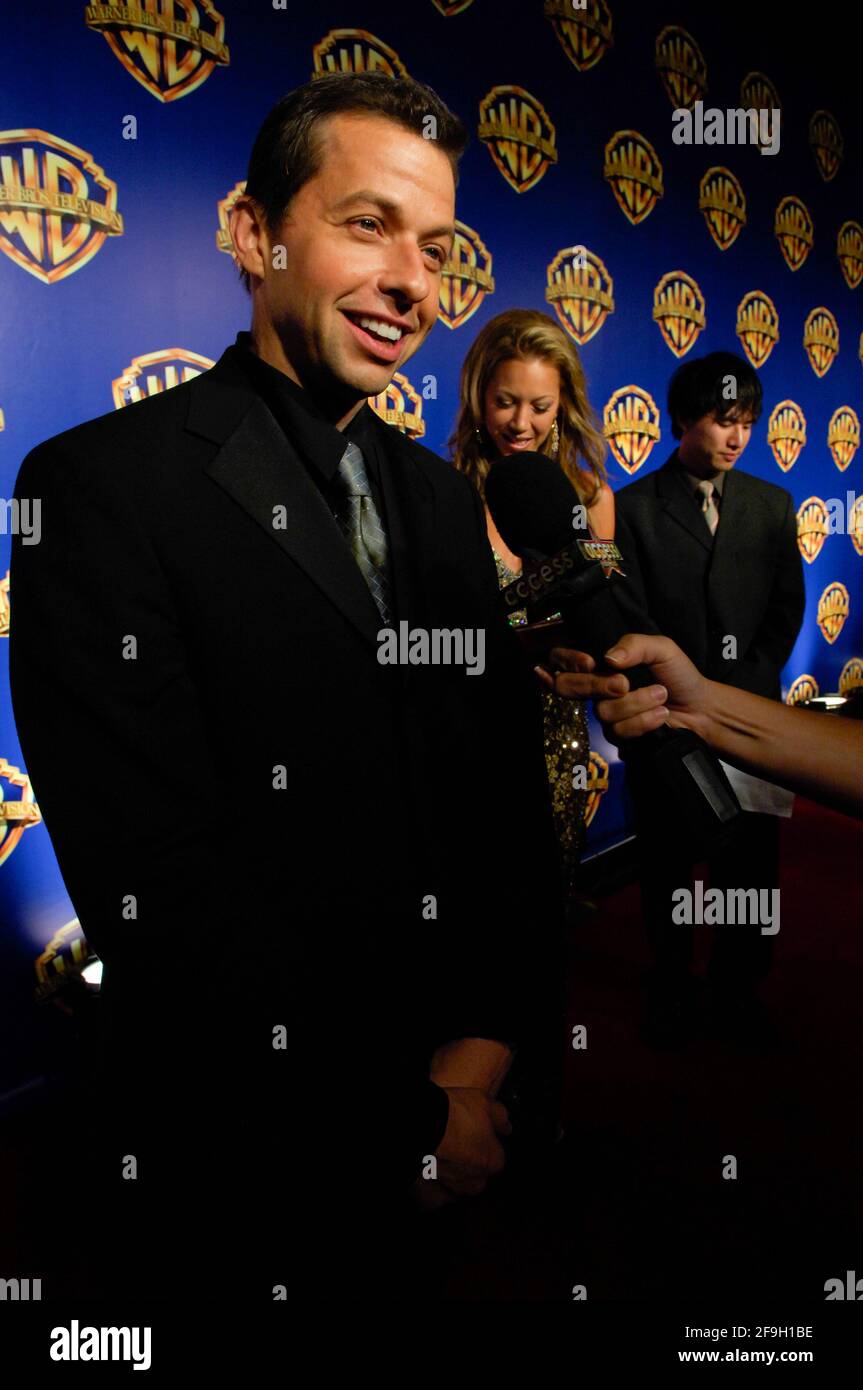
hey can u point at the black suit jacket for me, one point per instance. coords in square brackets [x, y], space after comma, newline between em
[259, 824]
[745, 582]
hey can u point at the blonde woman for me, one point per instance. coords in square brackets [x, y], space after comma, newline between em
[522, 387]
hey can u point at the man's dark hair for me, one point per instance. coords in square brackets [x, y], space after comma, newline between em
[288, 149]
[701, 387]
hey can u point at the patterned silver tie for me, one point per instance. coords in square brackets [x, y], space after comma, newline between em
[709, 509]
[363, 529]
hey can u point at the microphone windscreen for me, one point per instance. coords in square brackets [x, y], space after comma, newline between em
[531, 500]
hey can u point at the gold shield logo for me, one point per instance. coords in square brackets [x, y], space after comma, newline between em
[758, 92]
[65, 956]
[803, 688]
[355, 50]
[466, 278]
[794, 231]
[678, 308]
[843, 436]
[16, 814]
[722, 200]
[519, 135]
[4, 605]
[826, 143]
[169, 53]
[786, 433]
[757, 326]
[812, 528]
[821, 340]
[681, 66]
[849, 249]
[400, 405]
[630, 423]
[450, 7]
[597, 785]
[855, 525]
[157, 371]
[634, 170]
[833, 607]
[34, 207]
[223, 232]
[851, 677]
[581, 290]
[584, 34]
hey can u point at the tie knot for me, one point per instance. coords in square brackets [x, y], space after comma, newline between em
[707, 489]
[352, 471]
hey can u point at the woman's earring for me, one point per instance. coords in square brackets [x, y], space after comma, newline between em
[555, 439]
[478, 433]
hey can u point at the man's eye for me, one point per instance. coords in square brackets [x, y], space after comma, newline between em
[437, 252]
[372, 220]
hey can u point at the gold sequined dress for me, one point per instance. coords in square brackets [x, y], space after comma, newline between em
[567, 745]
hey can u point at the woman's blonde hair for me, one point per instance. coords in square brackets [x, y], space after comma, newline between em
[522, 334]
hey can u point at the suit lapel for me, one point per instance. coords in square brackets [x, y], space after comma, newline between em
[258, 468]
[680, 505]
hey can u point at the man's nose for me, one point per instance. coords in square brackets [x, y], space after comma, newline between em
[406, 275]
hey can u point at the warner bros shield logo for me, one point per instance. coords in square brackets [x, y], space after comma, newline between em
[631, 426]
[466, 278]
[169, 46]
[757, 326]
[634, 171]
[400, 405]
[678, 309]
[519, 135]
[722, 201]
[584, 33]
[154, 372]
[786, 433]
[581, 290]
[813, 528]
[57, 205]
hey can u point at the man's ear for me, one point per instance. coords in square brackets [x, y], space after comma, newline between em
[246, 218]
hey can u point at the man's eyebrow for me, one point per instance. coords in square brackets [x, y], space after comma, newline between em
[368, 195]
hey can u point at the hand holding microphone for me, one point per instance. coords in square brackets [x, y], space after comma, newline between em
[672, 774]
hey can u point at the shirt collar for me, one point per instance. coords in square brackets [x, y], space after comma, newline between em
[718, 478]
[317, 440]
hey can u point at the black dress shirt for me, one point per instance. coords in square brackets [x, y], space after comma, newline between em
[318, 442]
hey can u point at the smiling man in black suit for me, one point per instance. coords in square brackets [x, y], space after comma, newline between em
[711, 554]
[318, 957]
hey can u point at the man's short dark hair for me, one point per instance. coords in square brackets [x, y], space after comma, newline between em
[702, 386]
[288, 149]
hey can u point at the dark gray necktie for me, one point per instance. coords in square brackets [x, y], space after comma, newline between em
[363, 529]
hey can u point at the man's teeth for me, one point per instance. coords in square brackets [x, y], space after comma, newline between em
[384, 330]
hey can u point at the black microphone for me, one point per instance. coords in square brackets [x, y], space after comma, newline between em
[536, 509]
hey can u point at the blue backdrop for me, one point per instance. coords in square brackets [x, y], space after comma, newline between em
[121, 144]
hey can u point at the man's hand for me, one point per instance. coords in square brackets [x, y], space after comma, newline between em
[680, 700]
[470, 1152]
[478, 1062]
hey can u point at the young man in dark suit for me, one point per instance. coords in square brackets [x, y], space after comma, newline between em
[301, 874]
[711, 554]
